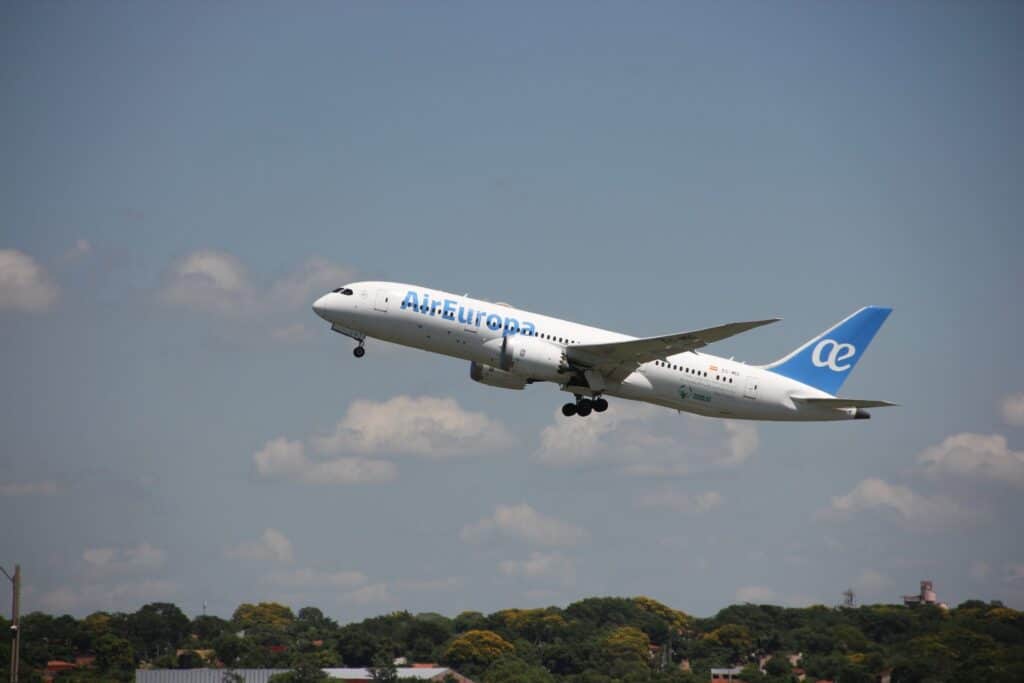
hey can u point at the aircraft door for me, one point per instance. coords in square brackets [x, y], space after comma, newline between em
[751, 390]
[382, 300]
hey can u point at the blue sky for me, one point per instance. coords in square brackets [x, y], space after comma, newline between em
[182, 180]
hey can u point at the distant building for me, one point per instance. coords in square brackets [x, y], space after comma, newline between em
[55, 667]
[724, 675]
[203, 675]
[927, 596]
[419, 673]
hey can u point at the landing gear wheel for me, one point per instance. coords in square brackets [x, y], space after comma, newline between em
[569, 409]
[359, 352]
[600, 405]
[584, 407]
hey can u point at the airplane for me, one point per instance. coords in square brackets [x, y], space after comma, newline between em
[511, 348]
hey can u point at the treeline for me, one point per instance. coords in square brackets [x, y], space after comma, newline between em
[597, 640]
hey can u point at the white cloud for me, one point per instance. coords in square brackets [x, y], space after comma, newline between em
[282, 459]
[872, 582]
[424, 426]
[125, 597]
[217, 282]
[1012, 409]
[291, 333]
[550, 566]
[272, 545]
[299, 288]
[975, 455]
[743, 441]
[414, 425]
[374, 592]
[682, 502]
[28, 488]
[114, 560]
[24, 285]
[646, 441]
[526, 524]
[312, 578]
[210, 281]
[755, 594]
[913, 508]
[149, 590]
[427, 585]
[80, 249]
[577, 441]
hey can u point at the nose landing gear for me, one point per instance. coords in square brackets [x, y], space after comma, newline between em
[584, 406]
[359, 351]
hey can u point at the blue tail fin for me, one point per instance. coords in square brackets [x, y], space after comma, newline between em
[825, 361]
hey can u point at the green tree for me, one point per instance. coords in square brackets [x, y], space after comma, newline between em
[509, 669]
[156, 628]
[228, 649]
[357, 646]
[734, 638]
[778, 666]
[627, 643]
[751, 674]
[269, 614]
[474, 651]
[626, 653]
[469, 621]
[114, 655]
[208, 628]
[383, 668]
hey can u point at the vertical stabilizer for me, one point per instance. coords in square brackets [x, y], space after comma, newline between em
[825, 361]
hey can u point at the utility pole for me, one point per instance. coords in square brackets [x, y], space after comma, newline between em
[15, 624]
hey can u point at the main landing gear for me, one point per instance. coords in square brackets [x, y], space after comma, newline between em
[359, 351]
[583, 406]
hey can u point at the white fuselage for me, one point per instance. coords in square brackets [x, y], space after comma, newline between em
[472, 329]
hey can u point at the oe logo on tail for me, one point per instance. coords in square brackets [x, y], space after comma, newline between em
[829, 354]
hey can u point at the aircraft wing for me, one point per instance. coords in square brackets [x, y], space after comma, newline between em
[842, 402]
[618, 359]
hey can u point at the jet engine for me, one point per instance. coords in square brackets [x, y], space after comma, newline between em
[495, 377]
[528, 357]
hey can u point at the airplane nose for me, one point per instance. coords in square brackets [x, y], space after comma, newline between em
[321, 306]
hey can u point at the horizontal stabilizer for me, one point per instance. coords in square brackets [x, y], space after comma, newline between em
[842, 402]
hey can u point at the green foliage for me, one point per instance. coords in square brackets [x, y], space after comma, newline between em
[597, 640]
[266, 614]
[207, 629]
[468, 621]
[515, 670]
[384, 668]
[474, 651]
[113, 654]
[157, 628]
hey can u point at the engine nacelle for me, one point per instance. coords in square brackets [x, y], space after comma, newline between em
[495, 377]
[528, 357]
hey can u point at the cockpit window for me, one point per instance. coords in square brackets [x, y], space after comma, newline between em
[343, 290]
